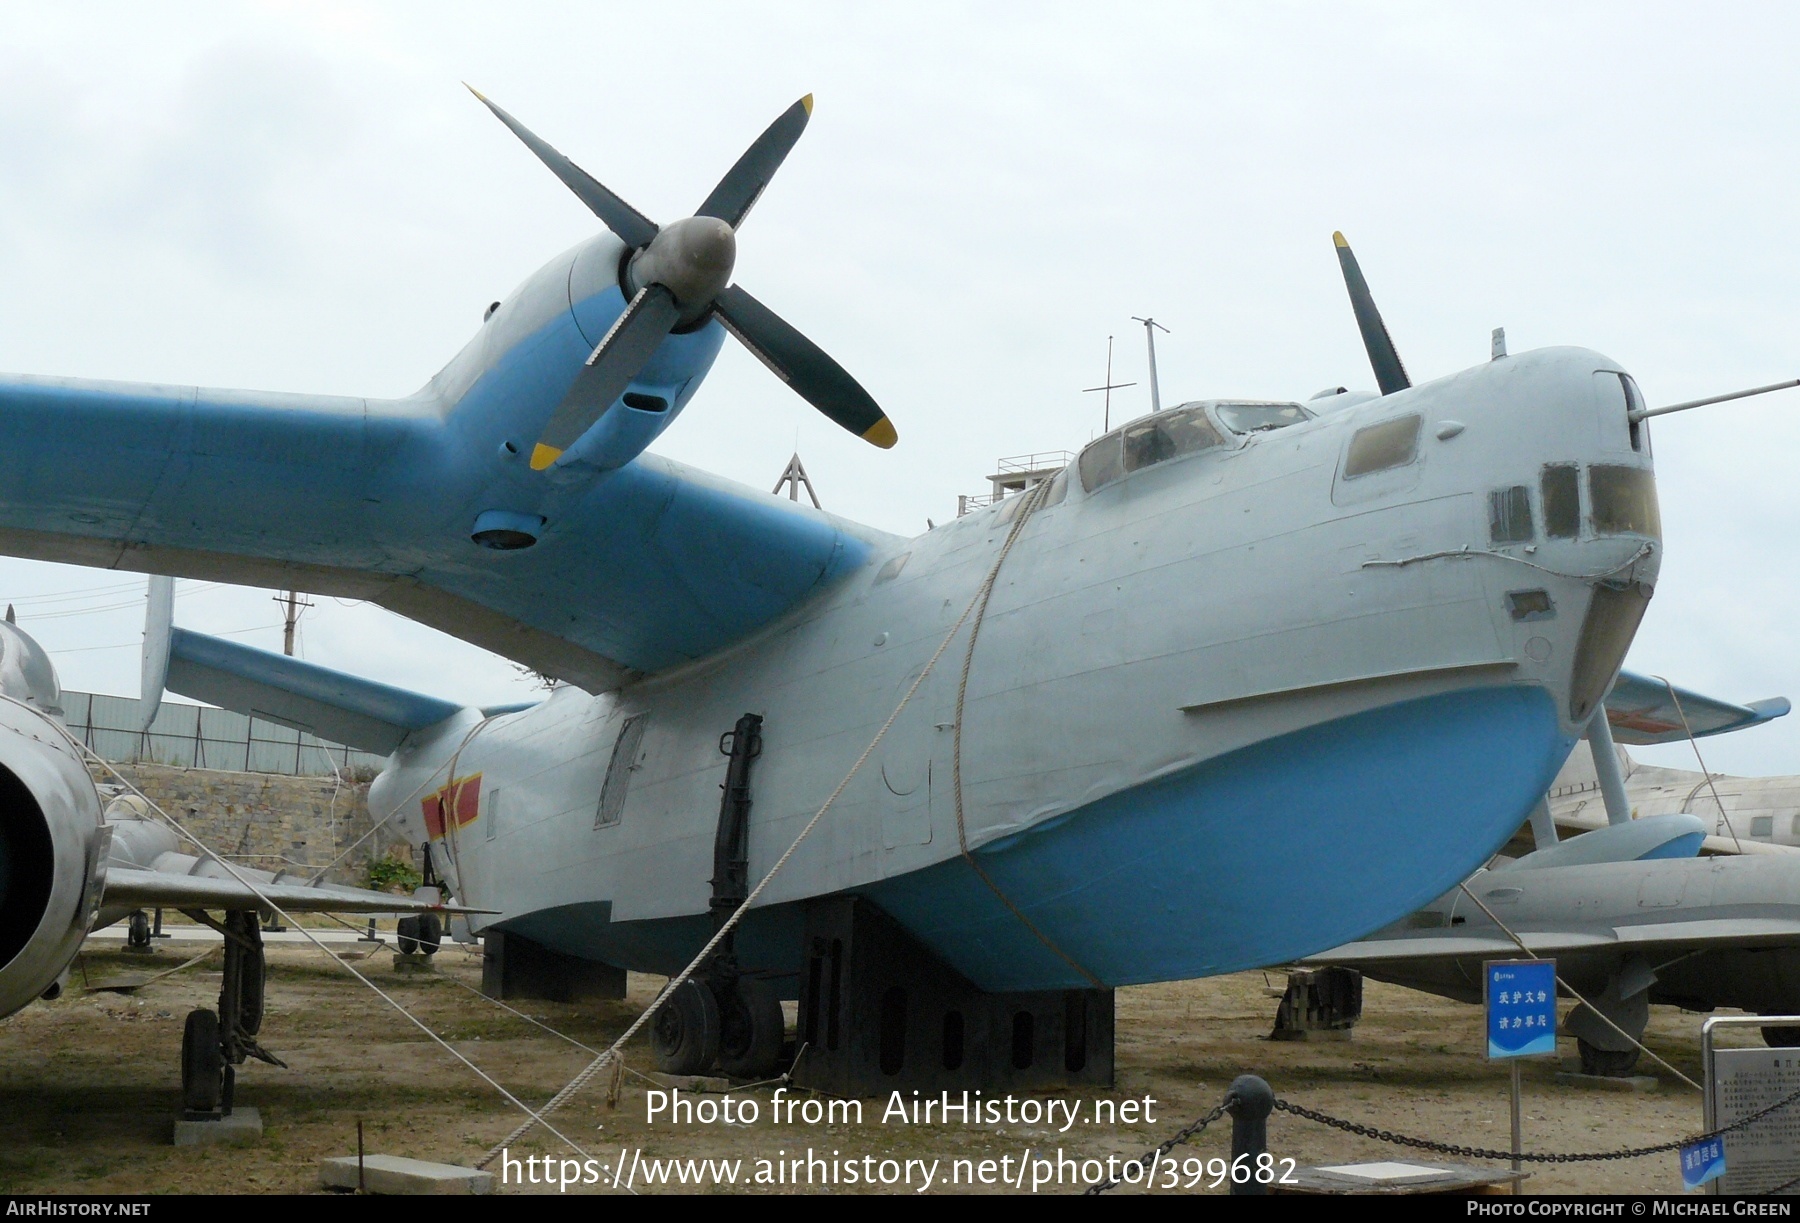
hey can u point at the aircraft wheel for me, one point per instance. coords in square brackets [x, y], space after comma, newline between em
[137, 931]
[421, 934]
[202, 1063]
[685, 1034]
[1781, 1038]
[751, 1030]
[1608, 1063]
[431, 933]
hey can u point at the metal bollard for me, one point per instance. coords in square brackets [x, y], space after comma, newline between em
[1252, 1100]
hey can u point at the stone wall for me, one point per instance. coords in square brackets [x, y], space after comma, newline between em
[266, 820]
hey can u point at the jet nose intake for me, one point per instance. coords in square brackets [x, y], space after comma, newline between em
[691, 258]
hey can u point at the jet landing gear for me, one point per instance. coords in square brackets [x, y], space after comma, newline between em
[1607, 1049]
[214, 1044]
[722, 1014]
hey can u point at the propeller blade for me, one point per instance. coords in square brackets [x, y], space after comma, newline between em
[630, 224]
[615, 361]
[804, 366]
[738, 191]
[1390, 375]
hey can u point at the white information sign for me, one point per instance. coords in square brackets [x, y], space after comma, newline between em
[1767, 1152]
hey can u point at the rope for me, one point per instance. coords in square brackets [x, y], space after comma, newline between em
[982, 596]
[1695, 744]
[263, 898]
[401, 805]
[1520, 943]
[613, 1051]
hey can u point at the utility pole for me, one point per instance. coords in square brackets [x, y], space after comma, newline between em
[291, 606]
[1109, 386]
[1151, 327]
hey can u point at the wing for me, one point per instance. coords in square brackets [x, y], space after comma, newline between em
[1642, 710]
[634, 570]
[1677, 937]
[135, 888]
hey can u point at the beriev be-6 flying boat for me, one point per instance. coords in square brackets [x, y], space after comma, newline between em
[1253, 679]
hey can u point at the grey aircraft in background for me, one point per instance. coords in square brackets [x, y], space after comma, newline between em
[1627, 910]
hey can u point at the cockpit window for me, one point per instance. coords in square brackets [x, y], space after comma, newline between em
[1261, 417]
[1144, 443]
[1623, 500]
[1393, 443]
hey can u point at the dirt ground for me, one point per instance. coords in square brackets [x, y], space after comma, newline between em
[89, 1084]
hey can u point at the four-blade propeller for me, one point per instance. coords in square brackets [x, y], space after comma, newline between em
[679, 275]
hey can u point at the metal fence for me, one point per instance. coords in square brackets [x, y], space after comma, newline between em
[200, 737]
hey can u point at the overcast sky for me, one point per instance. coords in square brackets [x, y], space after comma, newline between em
[303, 197]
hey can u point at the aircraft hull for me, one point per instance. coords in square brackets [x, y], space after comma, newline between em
[1158, 882]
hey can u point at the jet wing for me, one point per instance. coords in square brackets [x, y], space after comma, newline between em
[1663, 937]
[1641, 711]
[634, 570]
[135, 888]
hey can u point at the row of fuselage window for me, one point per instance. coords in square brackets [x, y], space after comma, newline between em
[1621, 501]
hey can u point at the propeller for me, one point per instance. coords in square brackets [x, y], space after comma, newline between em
[1390, 375]
[679, 275]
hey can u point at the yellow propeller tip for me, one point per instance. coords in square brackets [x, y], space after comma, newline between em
[807, 102]
[474, 91]
[542, 456]
[1337, 239]
[882, 434]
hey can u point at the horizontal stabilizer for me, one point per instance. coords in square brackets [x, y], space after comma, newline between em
[1641, 711]
[305, 696]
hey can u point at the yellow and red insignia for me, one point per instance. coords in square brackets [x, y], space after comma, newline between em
[461, 800]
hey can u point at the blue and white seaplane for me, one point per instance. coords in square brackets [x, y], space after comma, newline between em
[1247, 680]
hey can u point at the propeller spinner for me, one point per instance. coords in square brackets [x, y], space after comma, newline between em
[679, 275]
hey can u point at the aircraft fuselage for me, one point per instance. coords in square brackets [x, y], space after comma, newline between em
[1228, 708]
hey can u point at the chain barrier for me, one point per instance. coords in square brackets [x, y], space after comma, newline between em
[1149, 1160]
[1445, 1148]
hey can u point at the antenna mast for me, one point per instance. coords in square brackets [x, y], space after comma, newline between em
[793, 477]
[1109, 386]
[1151, 327]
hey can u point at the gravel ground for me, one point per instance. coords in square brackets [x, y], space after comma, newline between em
[89, 1085]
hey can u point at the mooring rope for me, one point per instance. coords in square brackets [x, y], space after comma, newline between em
[613, 1051]
[262, 897]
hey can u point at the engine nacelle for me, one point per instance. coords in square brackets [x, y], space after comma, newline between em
[53, 847]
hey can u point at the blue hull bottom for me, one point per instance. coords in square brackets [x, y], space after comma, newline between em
[1272, 852]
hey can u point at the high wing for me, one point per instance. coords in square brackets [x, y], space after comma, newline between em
[635, 569]
[1641, 711]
